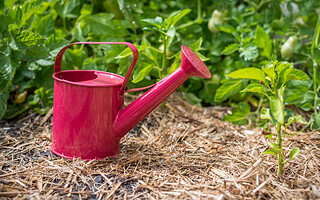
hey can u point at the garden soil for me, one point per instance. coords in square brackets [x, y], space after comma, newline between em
[179, 151]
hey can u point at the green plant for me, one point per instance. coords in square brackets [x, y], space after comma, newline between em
[167, 31]
[315, 56]
[271, 81]
[253, 34]
[150, 65]
[18, 45]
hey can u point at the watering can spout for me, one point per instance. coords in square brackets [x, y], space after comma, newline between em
[191, 65]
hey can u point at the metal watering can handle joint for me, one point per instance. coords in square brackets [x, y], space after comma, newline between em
[57, 62]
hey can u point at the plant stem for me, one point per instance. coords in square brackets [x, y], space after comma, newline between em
[64, 24]
[259, 106]
[164, 57]
[198, 20]
[280, 154]
[315, 41]
[315, 86]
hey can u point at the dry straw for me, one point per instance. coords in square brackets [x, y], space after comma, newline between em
[177, 152]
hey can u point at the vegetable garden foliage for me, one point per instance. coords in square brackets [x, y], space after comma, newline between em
[228, 35]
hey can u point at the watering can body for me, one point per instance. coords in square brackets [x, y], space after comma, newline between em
[88, 118]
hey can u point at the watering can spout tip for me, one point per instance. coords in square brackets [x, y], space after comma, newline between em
[198, 69]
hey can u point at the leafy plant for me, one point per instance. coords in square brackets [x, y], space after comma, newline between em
[271, 81]
[17, 45]
[315, 56]
[151, 64]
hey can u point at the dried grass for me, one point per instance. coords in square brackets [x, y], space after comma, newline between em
[180, 152]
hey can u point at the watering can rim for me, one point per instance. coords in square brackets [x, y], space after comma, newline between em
[95, 72]
[195, 60]
[57, 62]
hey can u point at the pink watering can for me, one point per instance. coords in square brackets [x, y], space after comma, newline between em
[88, 118]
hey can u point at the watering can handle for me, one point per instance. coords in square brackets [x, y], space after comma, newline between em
[57, 62]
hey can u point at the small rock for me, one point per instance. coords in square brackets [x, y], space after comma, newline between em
[4, 182]
[99, 179]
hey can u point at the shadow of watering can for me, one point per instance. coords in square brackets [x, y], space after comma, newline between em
[88, 118]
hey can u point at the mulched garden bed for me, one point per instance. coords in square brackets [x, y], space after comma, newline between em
[179, 151]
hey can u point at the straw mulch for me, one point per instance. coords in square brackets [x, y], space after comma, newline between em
[178, 152]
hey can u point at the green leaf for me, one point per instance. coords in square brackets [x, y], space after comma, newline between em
[277, 109]
[127, 52]
[29, 44]
[144, 44]
[315, 125]
[28, 9]
[265, 113]
[54, 45]
[270, 152]
[68, 9]
[44, 25]
[248, 73]
[256, 88]
[148, 28]
[263, 41]
[3, 103]
[102, 24]
[170, 33]
[230, 49]
[298, 94]
[228, 88]
[27, 39]
[283, 69]
[294, 153]
[175, 17]
[35, 53]
[307, 106]
[152, 53]
[196, 45]
[46, 97]
[73, 59]
[283, 65]
[297, 74]
[249, 52]
[7, 71]
[157, 22]
[124, 66]
[86, 9]
[226, 28]
[269, 70]
[274, 146]
[296, 118]
[269, 136]
[81, 29]
[141, 72]
[202, 57]
[192, 98]
[14, 15]
[239, 115]
[173, 67]
[280, 93]
[93, 64]
[316, 54]
[2, 23]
